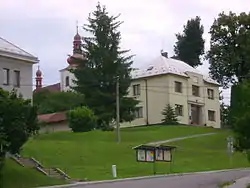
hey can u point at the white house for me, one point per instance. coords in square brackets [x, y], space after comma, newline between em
[194, 96]
[16, 68]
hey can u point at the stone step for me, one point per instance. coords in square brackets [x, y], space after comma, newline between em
[52, 172]
[27, 162]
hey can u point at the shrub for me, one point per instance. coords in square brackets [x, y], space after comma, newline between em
[81, 119]
[170, 117]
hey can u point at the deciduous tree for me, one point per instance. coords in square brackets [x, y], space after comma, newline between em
[50, 102]
[18, 121]
[229, 54]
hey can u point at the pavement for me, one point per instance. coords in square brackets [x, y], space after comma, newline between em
[188, 180]
[240, 183]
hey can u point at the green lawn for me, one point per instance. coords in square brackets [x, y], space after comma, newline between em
[90, 155]
[15, 176]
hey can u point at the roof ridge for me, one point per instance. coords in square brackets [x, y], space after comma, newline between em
[17, 47]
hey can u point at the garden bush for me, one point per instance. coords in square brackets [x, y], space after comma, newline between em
[81, 119]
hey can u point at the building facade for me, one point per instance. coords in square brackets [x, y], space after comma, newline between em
[16, 69]
[163, 81]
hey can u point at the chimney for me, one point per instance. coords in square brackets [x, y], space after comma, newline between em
[164, 54]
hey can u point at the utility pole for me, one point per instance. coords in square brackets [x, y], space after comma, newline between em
[117, 111]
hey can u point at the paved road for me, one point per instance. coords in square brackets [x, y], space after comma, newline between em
[197, 180]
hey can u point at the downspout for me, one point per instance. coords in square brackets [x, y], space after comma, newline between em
[146, 95]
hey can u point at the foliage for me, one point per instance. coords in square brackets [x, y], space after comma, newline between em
[170, 118]
[242, 133]
[229, 54]
[81, 119]
[105, 65]
[18, 121]
[240, 101]
[190, 45]
[240, 116]
[224, 113]
[49, 102]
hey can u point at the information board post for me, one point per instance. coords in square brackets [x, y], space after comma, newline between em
[149, 153]
[230, 148]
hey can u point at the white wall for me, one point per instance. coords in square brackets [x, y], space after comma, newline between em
[63, 74]
[25, 69]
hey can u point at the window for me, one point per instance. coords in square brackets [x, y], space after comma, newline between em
[67, 81]
[211, 115]
[6, 74]
[178, 87]
[139, 112]
[195, 90]
[16, 78]
[179, 110]
[210, 93]
[136, 89]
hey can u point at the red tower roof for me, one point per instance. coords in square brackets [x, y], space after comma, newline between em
[77, 37]
[38, 73]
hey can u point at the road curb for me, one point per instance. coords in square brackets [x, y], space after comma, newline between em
[142, 177]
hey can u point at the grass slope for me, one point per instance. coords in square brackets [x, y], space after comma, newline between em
[15, 176]
[90, 155]
[206, 153]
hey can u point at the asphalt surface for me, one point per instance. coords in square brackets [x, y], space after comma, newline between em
[196, 180]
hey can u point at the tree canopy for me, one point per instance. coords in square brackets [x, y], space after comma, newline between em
[18, 121]
[190, 44]
[105, 64]
[229, 54]
[50, 102]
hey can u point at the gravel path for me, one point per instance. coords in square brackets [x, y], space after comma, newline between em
[179, 138]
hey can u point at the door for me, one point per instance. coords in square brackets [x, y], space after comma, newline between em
[195, 114]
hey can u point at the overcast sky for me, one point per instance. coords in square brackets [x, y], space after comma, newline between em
[46, 28]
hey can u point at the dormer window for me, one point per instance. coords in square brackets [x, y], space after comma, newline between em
[150, 68]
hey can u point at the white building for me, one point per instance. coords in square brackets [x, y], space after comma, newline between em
[162, 81]
[16, 68]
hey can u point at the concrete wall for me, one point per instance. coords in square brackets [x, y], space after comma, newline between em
[62, 126]
[63, 74]
[26, 80]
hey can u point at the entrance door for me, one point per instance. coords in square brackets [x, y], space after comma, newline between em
[195, 114]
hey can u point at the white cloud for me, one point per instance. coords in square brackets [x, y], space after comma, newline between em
[46, 27]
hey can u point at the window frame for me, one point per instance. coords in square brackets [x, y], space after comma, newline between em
[139, 112]
[178, 87]
[67, 81]
[212, 93]
[6, 73]
[17, 78]
[209, 115]
[136, 89]
[198, 90]
[179, 107]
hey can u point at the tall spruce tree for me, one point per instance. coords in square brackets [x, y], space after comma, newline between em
[105, 64]
[190, 45]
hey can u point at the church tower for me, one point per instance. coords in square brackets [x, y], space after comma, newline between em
[77, 50]
[38, 78]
